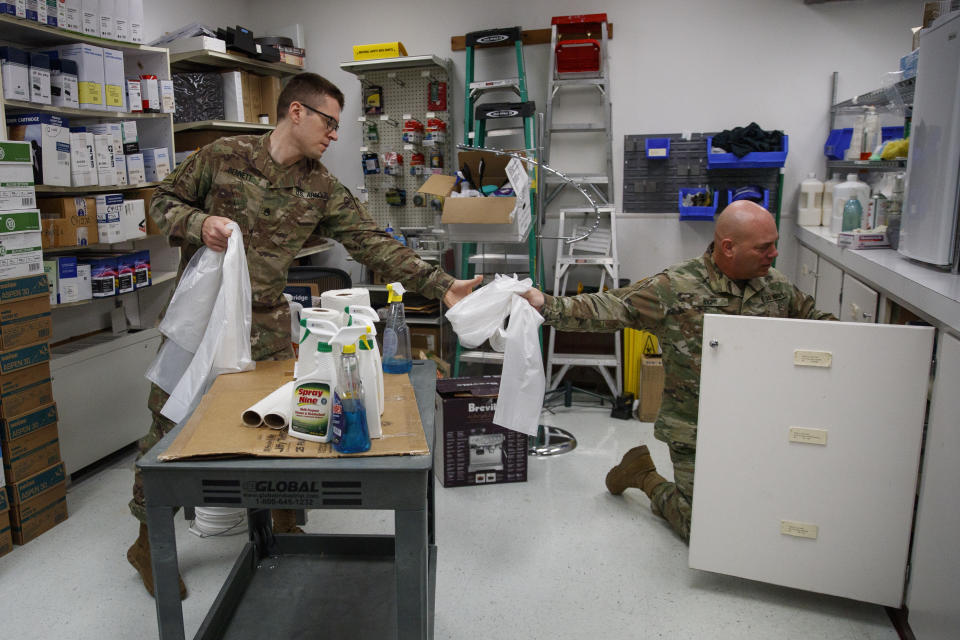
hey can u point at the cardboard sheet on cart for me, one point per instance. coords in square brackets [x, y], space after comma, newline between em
[215, 430]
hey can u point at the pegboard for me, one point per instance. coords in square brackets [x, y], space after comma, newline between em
[651, 185]
[404, 93]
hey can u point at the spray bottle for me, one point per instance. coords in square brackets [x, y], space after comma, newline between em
[371, 365]
[349, 432]
[314, 396]
[314, 331]
[396, 335]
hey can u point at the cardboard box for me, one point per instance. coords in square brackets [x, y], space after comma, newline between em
[90, 76]
[867, 240]
[6, 537]
[651, 387]
[63, 272]
[156, 164]
[109, 210]
[33, 516]
[197, 43]
[136, 174]
[18, 358]
[21, 426]
[15, 69]
[145, 194]
[63, 84]
[21, 251]
[133, 223]
[252, 100]
[85, 283]
[378, 50]
[69, 221]
[83, 158]
[16, 177]
[143, 275]
[49, 138]
[30, 454]
[103, 275]
[22, 491]
[490, 219]
[25, 322]
[424, 338]
[23, 288]
[24, 390]
[468, 448]
[39, 77]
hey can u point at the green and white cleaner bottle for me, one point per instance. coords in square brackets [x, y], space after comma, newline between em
[314, 395]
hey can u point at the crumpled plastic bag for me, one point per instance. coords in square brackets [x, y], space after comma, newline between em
[207, 326]
[480, 316]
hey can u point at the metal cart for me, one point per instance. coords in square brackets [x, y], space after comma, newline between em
[306, 586]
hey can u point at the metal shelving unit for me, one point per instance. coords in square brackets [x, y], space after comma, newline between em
[866, 165]
[223, 125]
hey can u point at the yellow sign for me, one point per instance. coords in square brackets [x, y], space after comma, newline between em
[379, 50]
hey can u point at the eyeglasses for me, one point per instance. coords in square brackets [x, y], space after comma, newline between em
[330, 121]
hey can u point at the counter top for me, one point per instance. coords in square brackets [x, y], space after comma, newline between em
[930, 291]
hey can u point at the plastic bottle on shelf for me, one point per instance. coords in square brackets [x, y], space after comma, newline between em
[349, 432]
[871, 133]
[811, 201]
[856, 140]
[396, 335]
[852, 214]
[827, 211]
[852, 188]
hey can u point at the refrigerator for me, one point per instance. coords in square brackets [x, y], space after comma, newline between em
[929, 224]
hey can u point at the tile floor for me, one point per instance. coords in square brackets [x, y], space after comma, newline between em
[554, 558]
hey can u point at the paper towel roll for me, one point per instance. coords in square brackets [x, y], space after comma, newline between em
[340, 299]
[271, 405]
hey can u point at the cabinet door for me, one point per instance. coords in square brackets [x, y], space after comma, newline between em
[935, 574]
[858, 302]
[807, 271]
[829, 285]
[807, 485]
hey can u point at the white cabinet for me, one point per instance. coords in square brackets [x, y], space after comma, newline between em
[807, 485]
[829, 286]
[935, 573]
[807, 271]
[858, 302]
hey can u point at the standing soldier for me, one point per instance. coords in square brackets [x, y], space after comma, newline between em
[275, 188]
[733, 277]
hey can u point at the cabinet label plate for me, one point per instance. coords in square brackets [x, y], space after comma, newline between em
[799, 529]
[808, 358]
[805, 435]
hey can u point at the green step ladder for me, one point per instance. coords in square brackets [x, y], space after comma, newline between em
[485, 120]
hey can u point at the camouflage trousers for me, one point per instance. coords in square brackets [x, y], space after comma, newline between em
[159, 427]
[673, 501]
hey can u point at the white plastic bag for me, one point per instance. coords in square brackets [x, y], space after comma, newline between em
[480, 316]
[209, 317]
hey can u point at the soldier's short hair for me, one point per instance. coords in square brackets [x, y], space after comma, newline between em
[306, 88]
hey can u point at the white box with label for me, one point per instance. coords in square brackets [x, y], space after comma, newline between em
[133, 222]
[89, 61]
[16, 177]
[109, 212]
[156, 164]
[83, 159]
[113, 81]
[106, 163]
[135, 172]
[49, 137]
[20, 244]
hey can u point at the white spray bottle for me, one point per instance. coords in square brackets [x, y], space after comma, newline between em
[314, 395]
[370, 361]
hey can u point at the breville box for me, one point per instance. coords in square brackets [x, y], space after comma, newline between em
[39, 77]
[21, 251]
[63, 84]
[114, 83]
[15, 69]
[493, 218]
[24, 390]
[106, 160]
[49, 138]
[89, 60]
[32, 516]
[469, 449]
[24, 322]
[156, 164]
[16, 177]
[83, 158]
[133, 224]
[135, 171]
[109, 210]
[31, 453]
[69, 221]
[85, 287]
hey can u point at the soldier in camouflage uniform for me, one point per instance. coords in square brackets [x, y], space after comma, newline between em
[275, 188]
[733, 277]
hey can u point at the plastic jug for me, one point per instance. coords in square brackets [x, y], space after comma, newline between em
[313, 398]
[828, 187]
[852, 215]
[315, 330]
[396, 335]
[852, 188]
[811, 201]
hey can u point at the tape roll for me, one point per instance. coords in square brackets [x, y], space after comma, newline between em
[340, 299]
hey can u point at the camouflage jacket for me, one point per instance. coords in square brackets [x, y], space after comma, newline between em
[279, 210]
[671, 305]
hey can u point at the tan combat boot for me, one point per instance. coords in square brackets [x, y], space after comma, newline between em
[139, 556]
[635, 470]
[285, 521]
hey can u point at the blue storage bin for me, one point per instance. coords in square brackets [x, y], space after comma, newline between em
[766, 198]
[891, 133]
[657, 148]
[696, 213]
[837, 143]
[753, 160]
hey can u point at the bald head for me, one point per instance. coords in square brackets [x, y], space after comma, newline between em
[744, 240]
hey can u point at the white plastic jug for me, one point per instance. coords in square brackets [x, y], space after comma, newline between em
[368, 316]
[315, 330]
[852, 188]
[811, 201]
[828, 188]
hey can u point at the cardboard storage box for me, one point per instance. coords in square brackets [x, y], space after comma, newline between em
[69, 221]
[49, 137]
[145, 194]
[6, 536]
[22, 357]
[24, 390]
[25, 322]
[468, 448]
[38, 503]
[21, 251]
[867, 240]
[16, 177]
[424, 338]
[651, 387]
[90, 76]
[27, 423]
[30, 454]
[64, 282]
[492, 218]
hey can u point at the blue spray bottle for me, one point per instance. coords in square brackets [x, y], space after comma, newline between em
[349, 432]
[396, 335]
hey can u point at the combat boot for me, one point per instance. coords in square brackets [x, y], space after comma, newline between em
[635, 470]
[138, 555]
[285, 521]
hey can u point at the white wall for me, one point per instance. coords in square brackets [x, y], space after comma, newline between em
[698, 65]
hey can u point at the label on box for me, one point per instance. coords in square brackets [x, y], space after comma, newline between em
[37, 483]
[17, 195]
[22, 288]
[34, 421]
[15, 152]
[31, 454]
[805, 435]
[23, 357]
[90, 92]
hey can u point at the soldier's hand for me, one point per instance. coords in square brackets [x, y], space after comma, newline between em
[459, 290]
[535, 297]
[214, 232]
